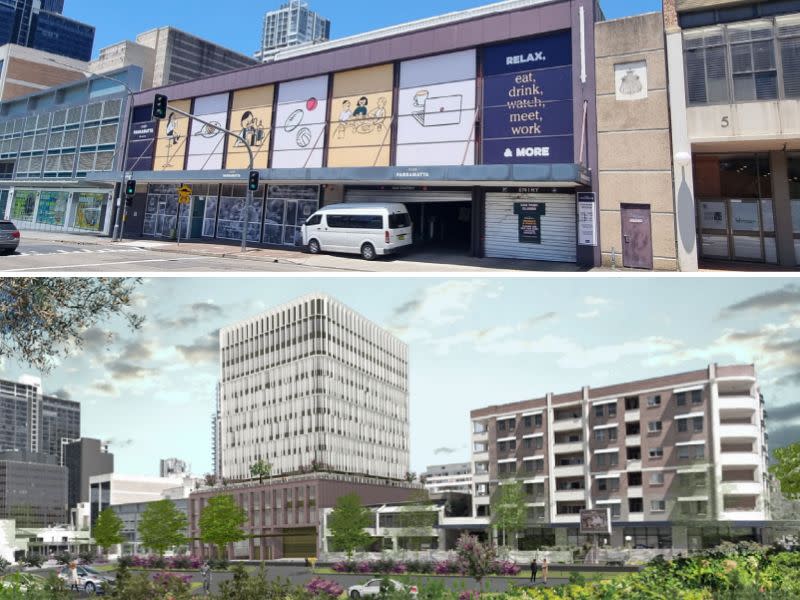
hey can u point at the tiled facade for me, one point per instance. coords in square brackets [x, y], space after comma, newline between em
[675, 453]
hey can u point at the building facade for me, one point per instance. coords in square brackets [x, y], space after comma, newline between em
[33, 489]
[50, 140]
[456, 477]
[284, 513]
[293, 24]
[735, 101]
[111, 489]
[35, 422]
[85, 458]
[680, 461]
[168, 55]
[25, 71]
[39, 24]
[131, 515]
[173, 467]
[313, 385]
[482, 122]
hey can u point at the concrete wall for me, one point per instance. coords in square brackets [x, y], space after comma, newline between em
[633, 133]
[28, 71]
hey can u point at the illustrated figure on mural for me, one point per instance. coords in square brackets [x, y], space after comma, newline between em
[173, 140]
[430, 111]
[251, 129]
[361, 120]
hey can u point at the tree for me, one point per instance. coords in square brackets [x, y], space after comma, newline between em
[416, 519]
[43, 319]
[107, 530]
[508, 510]
[787, 470]
[221, 522]
[261, 469]
[474, 558]
[347, 522]
[162, 526]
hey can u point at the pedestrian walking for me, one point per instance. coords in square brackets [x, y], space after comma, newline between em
[74, 584]
[205, 572]
[545, 569]
[534, 568]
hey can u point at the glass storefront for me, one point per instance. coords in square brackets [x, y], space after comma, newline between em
[794, 195]
[52, 208]
[88, 211]
[23, 206]
[161, 213]
[735, 211]
[288, 207]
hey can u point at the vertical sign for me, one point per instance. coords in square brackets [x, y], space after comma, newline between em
[528, 114]
[142, 142]
[587, 219]
[530, 221]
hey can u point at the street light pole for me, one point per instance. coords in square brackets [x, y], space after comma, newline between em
[249, 195]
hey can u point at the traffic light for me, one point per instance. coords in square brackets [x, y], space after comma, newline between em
[128, 201]
[130, 187]
[160, 106]
[252, 184]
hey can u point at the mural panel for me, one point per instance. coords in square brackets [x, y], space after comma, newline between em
[251, 116]
[361, 118]
[437, 110]
[172, 137]
[208, 143]
[300, 123]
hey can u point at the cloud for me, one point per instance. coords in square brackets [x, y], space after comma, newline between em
[204, 349]
[595, 301]
[190, 315]
[442, 304]
[119, 444]
[445, 450]
[62, 393]
[137, 350]
[104, 387]
[589, 315]
[787, 413]
[124, 369]
[97, 341]
[787, 297]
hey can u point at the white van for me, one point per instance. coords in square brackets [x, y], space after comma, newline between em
[370, 229]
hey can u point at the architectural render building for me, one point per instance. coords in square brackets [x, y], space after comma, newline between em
[456, 477]
[85, 458]
[39, 24]
[168, 55]
[111, 489]
[33, 489]
[173, 467]
[34, 422]
[312, 384]
[293, 24]
[131, 514]
[680, 461]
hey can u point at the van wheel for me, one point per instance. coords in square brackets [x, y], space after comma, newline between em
[368, 252]
[313, 247]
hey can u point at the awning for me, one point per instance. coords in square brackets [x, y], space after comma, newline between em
[566, 175]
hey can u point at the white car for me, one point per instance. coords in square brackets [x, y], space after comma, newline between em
[373, 588]
[89, 580]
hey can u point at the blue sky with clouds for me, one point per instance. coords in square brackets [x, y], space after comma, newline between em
[473, 343]
[237, 23]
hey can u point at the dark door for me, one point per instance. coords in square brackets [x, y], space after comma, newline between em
[198, 212]
[637, 238]
[134, 220]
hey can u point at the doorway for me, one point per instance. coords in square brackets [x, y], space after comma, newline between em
[442, 226]
[637, 236]
[198, 212]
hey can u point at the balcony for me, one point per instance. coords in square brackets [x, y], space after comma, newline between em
[748, 432]
[568, 447]
[728, 459]
[632, 415]
[742, 515]
[635, 492]
[633, 440]
[741, 488]
[569, 470]
[480, 456]
[568, 424]
[570, 495]
[567, 518]
[740, 403]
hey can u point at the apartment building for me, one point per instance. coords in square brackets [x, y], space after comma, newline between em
[454, 477]
[293, 24]
[680, 460]
[313, 385]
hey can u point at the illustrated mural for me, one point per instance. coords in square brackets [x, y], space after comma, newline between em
[208, 142]
[172, 138]
[251, 117]
[300, 126]
[437, 110]
[360, 131]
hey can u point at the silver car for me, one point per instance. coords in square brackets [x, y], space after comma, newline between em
[9, 237]
[373, 588]
[89, 580]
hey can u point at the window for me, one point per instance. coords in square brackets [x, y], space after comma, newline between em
[601, 460]
[538, 442]
[512, 423]
[656, 453]
[501, 446]
[314, 220]
[612, 434]
[634, 479]
[479, 427]
[658, 505]
[752, 53]
[680, 399]
[706, 66]
[654, 401]
[654, 426]
[697, 424]
[657, 478]
[528, 442]
[537, 420]
[605, 485]
[527, 422]
[480, 447]
[634, 453]
[633, 428]
[512, 445]
[399, 221]
[612, 410]
[598, 411]
[683, 426]
[600, 435]
[789, 44]
[697, 396]
[501, 426]
[699, 452]
[683, 452]
[635, 505]
[616, 510]
[632, 403]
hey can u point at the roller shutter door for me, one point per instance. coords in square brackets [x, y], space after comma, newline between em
[408, 196]
[558, 227]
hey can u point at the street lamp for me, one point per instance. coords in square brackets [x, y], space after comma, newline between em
[115, 235]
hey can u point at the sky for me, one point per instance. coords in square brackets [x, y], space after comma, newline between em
[237, 23]
[472, 343]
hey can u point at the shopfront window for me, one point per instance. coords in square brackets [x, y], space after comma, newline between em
[288, 207]
[52, 208]
[23, 206]
[231, 207]
[648, 537]
[88, 211]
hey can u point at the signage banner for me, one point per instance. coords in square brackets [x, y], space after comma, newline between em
[207, 143]
[528, 114]
[530, 221]
[142, 141]
[587, 219]
[596, 521]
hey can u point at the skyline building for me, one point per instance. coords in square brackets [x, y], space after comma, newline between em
[313, 385]
[39, 24]
[33, 489]
[293, 24]
[85, 458]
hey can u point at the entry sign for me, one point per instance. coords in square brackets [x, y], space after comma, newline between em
[184, 194]
[587, 219]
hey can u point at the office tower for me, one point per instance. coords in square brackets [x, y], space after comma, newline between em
[33, 489]
[293, 24]
[39, 24]
[85, 458]
[454, 477]
[172, 467]
[313, 385]
[675, 459]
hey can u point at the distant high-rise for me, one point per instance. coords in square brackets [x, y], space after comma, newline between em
[85, 458]
[293, 24]
[39, 24]
[173, 467]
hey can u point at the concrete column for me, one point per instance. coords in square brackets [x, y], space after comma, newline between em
[683, 183]
[680, 537]
[551, 460]
[587, 451]
[782, 207]
[561, 536]
[715, 495]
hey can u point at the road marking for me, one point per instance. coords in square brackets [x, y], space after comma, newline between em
[105, 264]
[85, 251]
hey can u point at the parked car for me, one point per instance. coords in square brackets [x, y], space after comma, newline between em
[373, 588]
[369, 229]
[22, 582]
[89, 580]
[9, 237]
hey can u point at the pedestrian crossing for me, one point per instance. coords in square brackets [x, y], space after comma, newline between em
[81, 251]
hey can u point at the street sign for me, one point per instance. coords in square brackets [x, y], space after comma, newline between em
[185, 194]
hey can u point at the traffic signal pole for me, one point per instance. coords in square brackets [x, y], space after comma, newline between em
[248, 201]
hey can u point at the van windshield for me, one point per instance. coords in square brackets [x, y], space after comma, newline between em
[399, 221]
